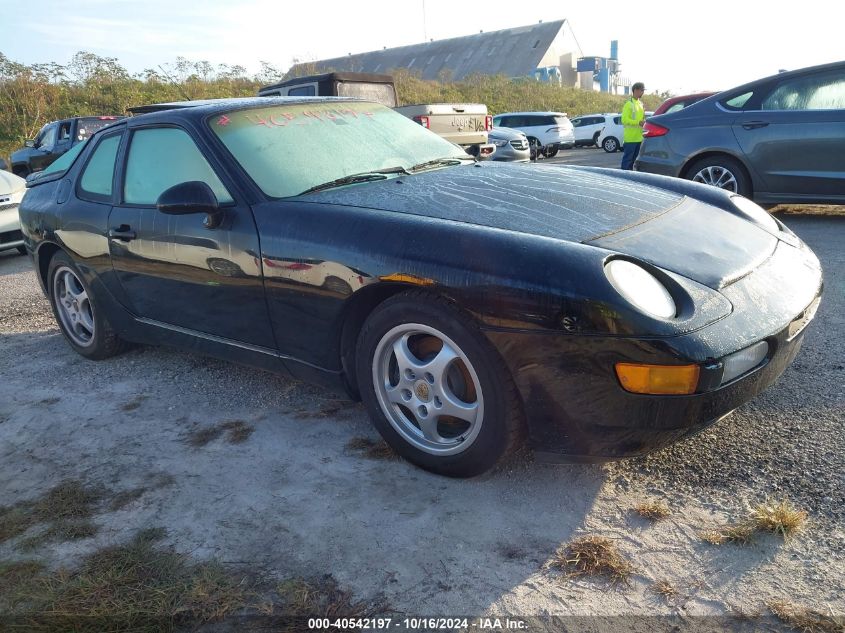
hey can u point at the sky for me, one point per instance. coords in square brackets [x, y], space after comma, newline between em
[676, 47]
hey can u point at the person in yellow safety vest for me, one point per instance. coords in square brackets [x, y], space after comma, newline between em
[633, 118]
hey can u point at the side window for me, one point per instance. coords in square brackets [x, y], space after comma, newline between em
[738, 102]
[48, 141]
[302, 91]
[64, 132]
[98, 174]
[617, 120]
[160, 158]
[580, 122]
[678, 106]
[817, 92]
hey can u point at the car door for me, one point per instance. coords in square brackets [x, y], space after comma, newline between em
[45, 146]
[174, 270]
[793, 135]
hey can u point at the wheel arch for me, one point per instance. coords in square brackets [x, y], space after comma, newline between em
[44, 254]
[359, 307]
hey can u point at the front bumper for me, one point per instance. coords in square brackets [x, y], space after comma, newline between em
[10, 227]
[576, 409]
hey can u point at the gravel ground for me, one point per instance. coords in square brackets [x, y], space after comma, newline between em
[292, 497]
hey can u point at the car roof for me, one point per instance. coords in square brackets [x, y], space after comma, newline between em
[535, 112]
[208, 107]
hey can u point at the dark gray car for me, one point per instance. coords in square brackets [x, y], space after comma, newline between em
[775, 140]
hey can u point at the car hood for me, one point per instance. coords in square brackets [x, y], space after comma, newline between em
[603, 208]
[551, 201]
[10, 183]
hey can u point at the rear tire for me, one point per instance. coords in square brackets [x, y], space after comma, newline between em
[80, 318]
[723, 172]
[534, 147]
[435, 388]
[551, 152]
[610, 145]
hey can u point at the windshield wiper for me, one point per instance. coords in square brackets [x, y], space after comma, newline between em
[366, 176]
[441, 162]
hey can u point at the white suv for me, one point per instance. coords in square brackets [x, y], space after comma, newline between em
[611, 138]
[548, 131]
[589, 126]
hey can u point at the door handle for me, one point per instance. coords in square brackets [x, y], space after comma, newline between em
[753, 125]
[122, 233]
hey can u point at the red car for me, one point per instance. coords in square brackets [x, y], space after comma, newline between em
[679, 103]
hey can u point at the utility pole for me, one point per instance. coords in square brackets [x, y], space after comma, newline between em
[425, 29]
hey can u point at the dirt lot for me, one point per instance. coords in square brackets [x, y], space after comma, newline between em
[268, 475]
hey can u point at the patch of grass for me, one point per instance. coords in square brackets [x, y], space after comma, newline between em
[741, 533]
[145, 588]
[594, 556]
[665, 589]
[238, 432]
[67, 507]
[653, 510]
[132, 587]
[202, 437]
[371, 449]
[781, 518]
[133, 404]
[805, 619]
[778, 517]
[324, 597]
[327, 410]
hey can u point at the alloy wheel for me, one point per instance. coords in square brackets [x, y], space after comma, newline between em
[428, 389]
[717, 176]
[73, 306]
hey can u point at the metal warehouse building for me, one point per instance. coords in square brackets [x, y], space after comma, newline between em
[547, 51]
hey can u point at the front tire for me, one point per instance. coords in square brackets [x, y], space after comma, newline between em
[82, 322]
[551, 152]
[435, 388]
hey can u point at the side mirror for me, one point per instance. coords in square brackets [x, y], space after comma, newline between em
[191, 197]
[29, 143]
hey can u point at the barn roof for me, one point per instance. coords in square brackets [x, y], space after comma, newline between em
[512, 52]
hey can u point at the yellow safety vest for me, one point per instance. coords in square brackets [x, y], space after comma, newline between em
[632, 113]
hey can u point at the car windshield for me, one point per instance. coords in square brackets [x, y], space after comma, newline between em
[87, 126]
[63, 162]
[290, 149]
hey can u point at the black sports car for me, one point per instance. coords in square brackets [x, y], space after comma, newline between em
[599, 314]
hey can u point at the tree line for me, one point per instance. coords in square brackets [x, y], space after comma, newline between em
[34, 94]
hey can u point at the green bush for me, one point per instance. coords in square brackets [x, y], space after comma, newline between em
[32, 95]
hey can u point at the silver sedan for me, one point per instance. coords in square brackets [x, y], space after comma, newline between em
[511, 145]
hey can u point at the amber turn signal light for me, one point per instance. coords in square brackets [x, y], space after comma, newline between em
[658, 379]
